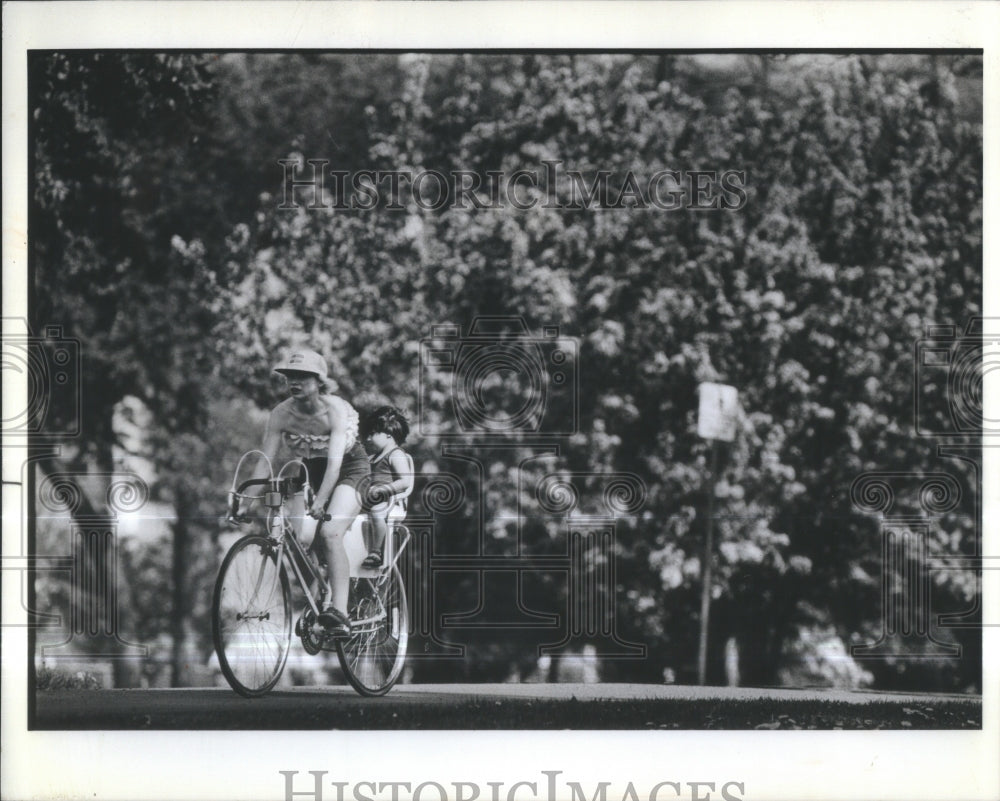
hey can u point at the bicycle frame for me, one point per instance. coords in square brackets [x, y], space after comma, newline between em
[291, 551]
[295, 551]
[252, 611]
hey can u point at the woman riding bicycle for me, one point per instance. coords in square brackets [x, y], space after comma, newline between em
[321, 429]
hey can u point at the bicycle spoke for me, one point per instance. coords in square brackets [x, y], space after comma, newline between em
[252, 617]
[372, 658]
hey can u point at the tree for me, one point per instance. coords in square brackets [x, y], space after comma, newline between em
[857, 223]
[809, 298]
[109, 261]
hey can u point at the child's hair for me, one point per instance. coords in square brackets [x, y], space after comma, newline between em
[387, 420]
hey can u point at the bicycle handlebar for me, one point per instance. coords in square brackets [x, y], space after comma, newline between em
[253, 482]
[283, 487]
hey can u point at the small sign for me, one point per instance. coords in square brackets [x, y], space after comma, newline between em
[717, 411]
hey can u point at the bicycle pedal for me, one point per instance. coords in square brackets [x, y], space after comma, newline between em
[331, 638]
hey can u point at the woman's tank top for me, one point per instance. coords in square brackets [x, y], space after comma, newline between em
[308, 435]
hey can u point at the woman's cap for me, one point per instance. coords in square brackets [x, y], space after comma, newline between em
[303, 361]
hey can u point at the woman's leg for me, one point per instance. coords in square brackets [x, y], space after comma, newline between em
[296, 511]
[296, 514]
[343, 508]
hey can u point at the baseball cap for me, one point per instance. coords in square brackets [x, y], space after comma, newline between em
[303, 361]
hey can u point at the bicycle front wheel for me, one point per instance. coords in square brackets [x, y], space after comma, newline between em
[372, 656]
[252, 616]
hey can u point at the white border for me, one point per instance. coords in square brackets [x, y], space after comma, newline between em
[230, 765]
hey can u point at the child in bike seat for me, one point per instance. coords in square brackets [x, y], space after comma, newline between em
[382, 432]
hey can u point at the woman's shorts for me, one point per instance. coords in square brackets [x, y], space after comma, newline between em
[354, 468]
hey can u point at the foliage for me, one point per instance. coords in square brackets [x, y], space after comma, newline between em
[49, 679]
[862, 225]
[106, 129]
[116, 153]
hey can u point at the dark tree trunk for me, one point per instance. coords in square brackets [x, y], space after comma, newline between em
[179, 670]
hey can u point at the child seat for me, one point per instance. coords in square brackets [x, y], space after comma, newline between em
[354, 540]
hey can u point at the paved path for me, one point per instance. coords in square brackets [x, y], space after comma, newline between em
[503, 706]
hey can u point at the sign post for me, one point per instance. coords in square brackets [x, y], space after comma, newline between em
[717, 412]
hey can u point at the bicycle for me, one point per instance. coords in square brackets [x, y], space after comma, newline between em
[252, 601]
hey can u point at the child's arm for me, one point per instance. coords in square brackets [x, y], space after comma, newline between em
[402, 472]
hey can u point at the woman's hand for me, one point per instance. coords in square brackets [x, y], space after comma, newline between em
[318, 508]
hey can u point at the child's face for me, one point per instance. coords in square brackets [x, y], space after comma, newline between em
[378, 440]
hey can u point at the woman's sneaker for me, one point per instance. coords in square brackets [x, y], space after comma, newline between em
[335, 622]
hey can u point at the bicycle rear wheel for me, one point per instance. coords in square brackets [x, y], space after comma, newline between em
[252, 616]
[372, 656]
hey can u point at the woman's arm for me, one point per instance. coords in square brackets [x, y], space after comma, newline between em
[272, 441]
[335, 457]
